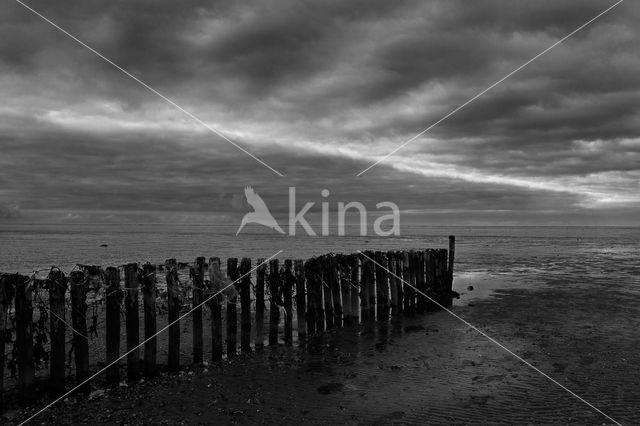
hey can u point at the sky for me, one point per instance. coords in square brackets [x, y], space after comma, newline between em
[319, 91]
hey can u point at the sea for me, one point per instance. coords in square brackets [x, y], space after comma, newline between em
[486, 258]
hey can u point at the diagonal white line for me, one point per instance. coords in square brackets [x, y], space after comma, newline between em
[491, 339]
[146, 86]
[51, 404]
[402, 145]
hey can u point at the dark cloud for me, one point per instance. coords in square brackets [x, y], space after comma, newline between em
[319, 91]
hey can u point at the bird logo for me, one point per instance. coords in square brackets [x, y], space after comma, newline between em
[260, 214]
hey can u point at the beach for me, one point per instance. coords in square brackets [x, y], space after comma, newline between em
[580, 329]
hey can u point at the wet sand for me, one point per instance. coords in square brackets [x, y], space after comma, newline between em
[430, 369]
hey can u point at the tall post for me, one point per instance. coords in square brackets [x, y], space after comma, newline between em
[232, 308]
[79, 322]
[288, 281]
[334, 284]
[345, 287]
[132, 320]
[58, 285]
[409, 293]
[245, 305]
[309, 273]
[327, 295]
[114, 301]
[173, 302]
[274, 301]
[364, 286]
[421, 300]
[197, 274]
[216, 281]
[7, 292]
[354, 281]
[260, 281]
[393, 283]
[452, 255]
[399, 258]
[149, 285]
[301, 300]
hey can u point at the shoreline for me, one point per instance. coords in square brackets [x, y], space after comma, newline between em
[429, 368]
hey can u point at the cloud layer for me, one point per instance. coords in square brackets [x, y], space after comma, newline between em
[320, 91]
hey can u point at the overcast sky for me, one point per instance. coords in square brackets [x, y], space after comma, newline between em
[319, 91]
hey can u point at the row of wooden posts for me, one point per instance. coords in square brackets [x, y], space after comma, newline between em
[330, 291]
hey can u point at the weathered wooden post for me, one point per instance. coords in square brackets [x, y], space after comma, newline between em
[345, 287]
[173, 307]
[132, 320]
[326, 292]
[354, 279]
[421, 300]
[216, 281]
[197, 275]
[232, 308]
[432, 286]
[399, 259]
[58, 285]
[393, 282]
[443, 278]
[382, 285]
[409, 293]
[79, 323]
[318, 292]
[287, 294]
[260, 280]
[334, 285]
[274, 301]
[114, 300]
[301, 302]
[364, 286]
[245, 305]
[309, 272]
[7, 293]
[149, 284]
[452, 254]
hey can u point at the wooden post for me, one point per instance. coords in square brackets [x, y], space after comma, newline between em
[58, 285]
[409, 292]
[326, 292]
[287, 293]
[79, 323]
[345, 287]
[149, 297]
[232, 308]
[354, 280]
[216, 281]
[173, 305]
[245, 305]
[393, 282]
[443, 277]
[132, 320]
[334, 284]
[274, 301]
[399, 258]
[382, 285]
[114, 300]
[301, 300]
[431, 285]
[364, 288]
[260, 279]
[6, 297]
[317, 294]
[197, 276]
[309, 273]
[452, 255]
[421, 300]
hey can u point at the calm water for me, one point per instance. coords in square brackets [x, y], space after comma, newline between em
[510, 255]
